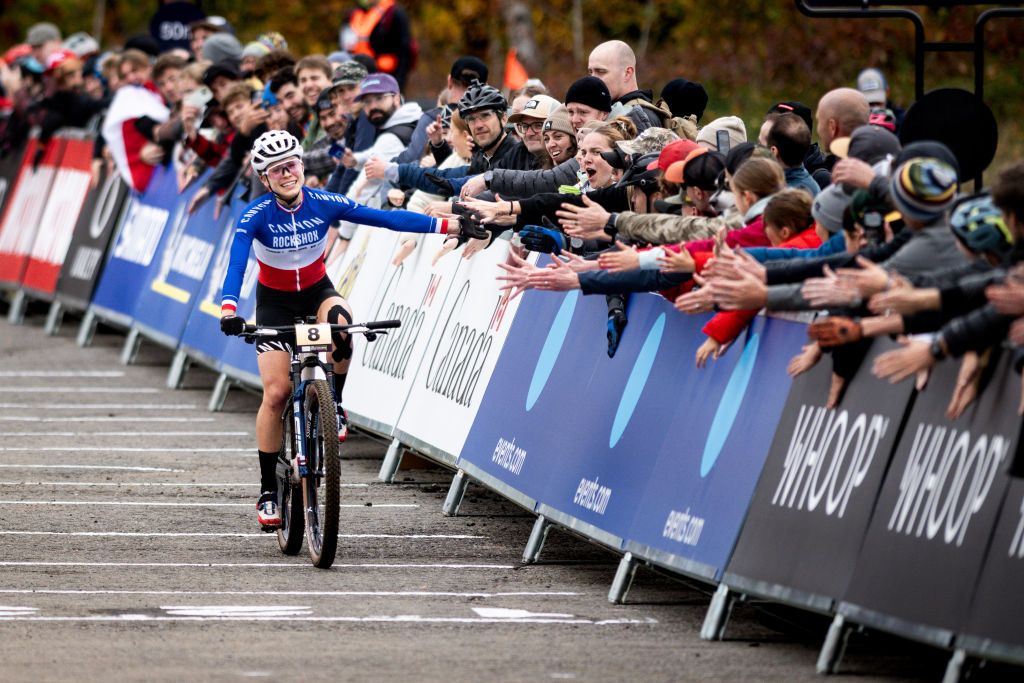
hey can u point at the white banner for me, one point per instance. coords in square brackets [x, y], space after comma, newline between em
[461, 355]
[381, 373]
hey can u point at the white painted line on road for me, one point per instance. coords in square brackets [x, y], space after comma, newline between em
[239, 611]
[234, 565]
[61, 373]
[101, 406]
[90, 467]
[8, 611]
[334, 594]
[152, 483]
[117, 449]
[196, 504]
[216, 534]
[135, 434]
[62, 420]
[398, 619]
[80, 390]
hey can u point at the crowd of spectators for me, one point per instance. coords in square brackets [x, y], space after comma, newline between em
[630, 194]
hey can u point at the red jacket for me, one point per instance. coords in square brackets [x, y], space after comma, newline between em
[727, 325]
[750, 235]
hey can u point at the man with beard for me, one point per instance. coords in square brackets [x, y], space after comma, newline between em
[395, 122]
[326, 152]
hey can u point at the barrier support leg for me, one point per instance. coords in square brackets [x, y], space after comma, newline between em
[220, 394]
[718, 614]
[623, 579]
[392, 461]
[179, 366]
[130, 350]
[87, 330]
[834, 647]
[54, 318]
[537, 537]
[455, 494]
[16, 313]
[955, 667]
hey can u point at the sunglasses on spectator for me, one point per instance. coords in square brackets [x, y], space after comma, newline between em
[535, 127]
[291, 167]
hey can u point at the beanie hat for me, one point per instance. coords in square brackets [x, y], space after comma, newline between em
[590, 91]
[558, 120]
[273, 40]
[222, 47]
[144, 42]
[41, 33]
[685, 98]
[924, 189]
[733, 125]
[652, 139]
[828, 207]
[255, 49]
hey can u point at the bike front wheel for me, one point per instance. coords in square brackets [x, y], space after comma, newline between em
[289, 491]
[322, 487]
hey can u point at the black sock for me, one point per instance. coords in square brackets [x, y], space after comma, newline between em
[339, 386]
[268, 471]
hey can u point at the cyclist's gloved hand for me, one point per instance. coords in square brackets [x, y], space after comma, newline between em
[544, 240]
[444, 186]
[470, 226]
[232, 325]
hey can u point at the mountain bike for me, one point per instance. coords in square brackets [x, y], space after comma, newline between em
[309, 465]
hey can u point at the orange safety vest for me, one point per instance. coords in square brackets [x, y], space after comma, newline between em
[362, 23]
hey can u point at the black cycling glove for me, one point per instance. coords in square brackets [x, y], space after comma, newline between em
[232, 325]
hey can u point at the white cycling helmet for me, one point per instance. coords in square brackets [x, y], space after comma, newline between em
[272, 147]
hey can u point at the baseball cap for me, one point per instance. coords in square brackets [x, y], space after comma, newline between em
[538, 108]
[41, 33]
[794, 107]
[652, 139]
[226, 69]
[82, 44]
[349, 73]
[867, 143]
[377, 84]
[673, 152]
[871, 82]
[468, 69]
[323, 101]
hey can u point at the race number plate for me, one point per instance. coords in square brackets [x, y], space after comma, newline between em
[313, 338]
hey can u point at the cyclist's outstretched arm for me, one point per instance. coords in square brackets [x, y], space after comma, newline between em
[344, 209]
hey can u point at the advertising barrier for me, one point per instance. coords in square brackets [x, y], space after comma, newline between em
[936, 511]
[90, 239]
[10, 164]
[461, 356]
[818, 489]
[59, 217]
[172, 284]
[994, 626]
[24, 208]
[134, 249]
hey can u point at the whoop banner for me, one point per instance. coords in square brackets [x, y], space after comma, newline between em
[57, 223]
[931, 526]
[90, 239]
[814, 500]
[25, 207]
[475, 320]
[994, 627]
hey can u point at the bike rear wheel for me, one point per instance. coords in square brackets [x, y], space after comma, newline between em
[322, 486]
[289, 491]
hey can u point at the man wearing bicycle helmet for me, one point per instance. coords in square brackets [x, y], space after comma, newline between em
[287, 229]
[484, 109]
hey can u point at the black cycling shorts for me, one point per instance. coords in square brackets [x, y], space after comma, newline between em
[278, 308]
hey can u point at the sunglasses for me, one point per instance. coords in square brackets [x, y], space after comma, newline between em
[292, 168]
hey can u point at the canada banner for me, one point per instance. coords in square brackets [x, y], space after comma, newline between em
[818, 488]
[931, 527]
[60, 216]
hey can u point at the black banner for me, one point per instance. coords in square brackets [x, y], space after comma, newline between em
[93, 232]
[931, 527]
[995, 627]
[819, 485]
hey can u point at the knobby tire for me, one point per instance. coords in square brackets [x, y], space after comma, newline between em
[322, 488]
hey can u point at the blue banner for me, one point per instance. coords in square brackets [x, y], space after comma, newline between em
[616, 459]
[173, 283]
[202, 337]
[135, 248]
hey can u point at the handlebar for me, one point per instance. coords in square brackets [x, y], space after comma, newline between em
[369, 328]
